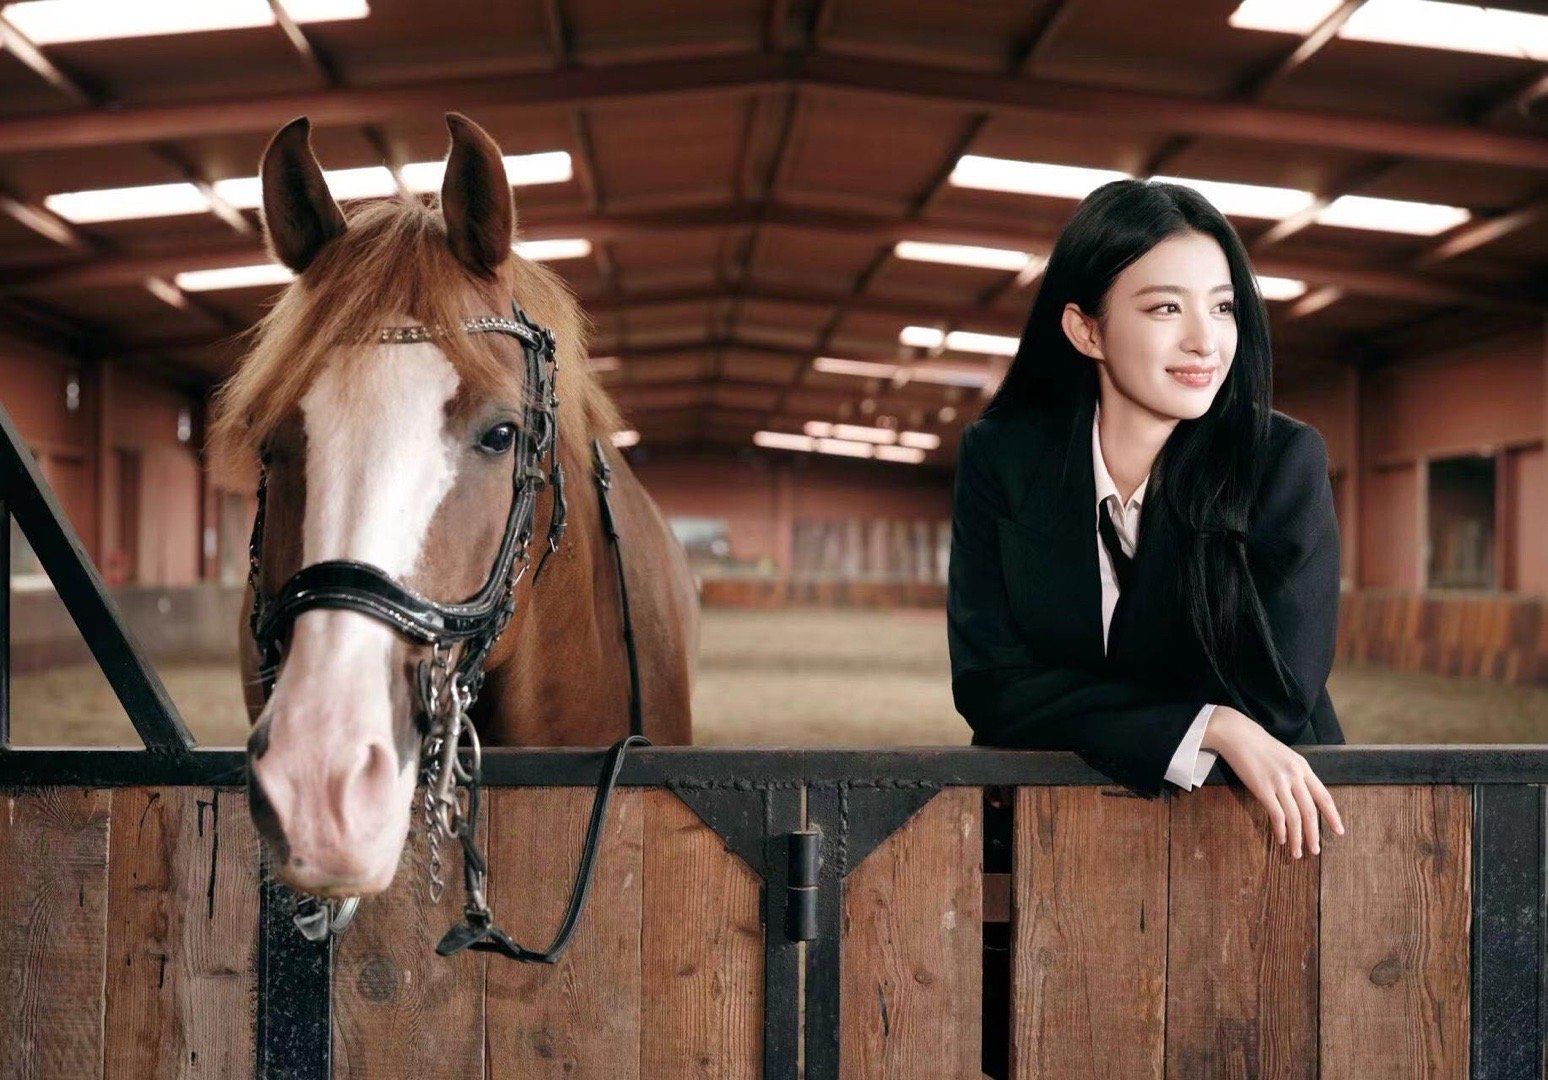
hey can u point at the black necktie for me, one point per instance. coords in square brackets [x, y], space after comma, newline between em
[1109, 534]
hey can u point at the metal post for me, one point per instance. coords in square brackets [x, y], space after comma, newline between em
[5, 625]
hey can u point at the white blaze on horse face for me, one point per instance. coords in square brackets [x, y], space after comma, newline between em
[379, 461]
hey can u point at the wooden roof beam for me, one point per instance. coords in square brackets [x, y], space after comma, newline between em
[884, 79]
[1404, 285]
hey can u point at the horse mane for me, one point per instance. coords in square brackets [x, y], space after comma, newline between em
[393, 262]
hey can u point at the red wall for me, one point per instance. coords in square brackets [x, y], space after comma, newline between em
[761, 495]
[120, 413]
[1383, 426]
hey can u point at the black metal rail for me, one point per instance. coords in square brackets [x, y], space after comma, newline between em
[25, 495]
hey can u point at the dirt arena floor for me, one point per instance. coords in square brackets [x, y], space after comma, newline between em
[810, 678]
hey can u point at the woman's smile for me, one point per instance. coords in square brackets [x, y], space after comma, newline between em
[1194, 376]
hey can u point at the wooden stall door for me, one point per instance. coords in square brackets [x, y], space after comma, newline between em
[912, 963]
[664, 977]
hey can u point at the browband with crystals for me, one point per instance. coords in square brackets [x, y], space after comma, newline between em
[536, 338]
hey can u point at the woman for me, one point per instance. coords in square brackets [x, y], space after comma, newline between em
[1141, 389]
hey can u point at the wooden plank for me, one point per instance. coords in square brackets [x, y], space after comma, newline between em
[581, 1016]
[53, 932]
[1396, 910]
[399, 1010]
[1242, 942]
[1090, 919]
[181, 934]
[912, 973]
[701, 948]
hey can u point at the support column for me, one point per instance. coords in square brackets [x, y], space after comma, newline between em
[1354, 474]
[784, 523]
[102, 444]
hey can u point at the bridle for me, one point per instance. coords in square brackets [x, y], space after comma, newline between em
[460, 637]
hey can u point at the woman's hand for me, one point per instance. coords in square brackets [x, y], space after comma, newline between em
[1277, 776]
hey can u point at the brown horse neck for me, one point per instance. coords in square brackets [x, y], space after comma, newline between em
[559, 675]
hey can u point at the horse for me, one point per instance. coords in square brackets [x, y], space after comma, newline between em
[395, 452]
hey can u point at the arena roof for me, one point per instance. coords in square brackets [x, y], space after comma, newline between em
[760, 183]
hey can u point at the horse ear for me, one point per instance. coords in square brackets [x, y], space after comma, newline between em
[299, 214]
[476, 199]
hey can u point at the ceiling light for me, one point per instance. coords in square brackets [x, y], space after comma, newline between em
[781, 440]
[120, 204]
[1279, 288]
[1392, 215]
[1246, 200]
[928, 337]
[944, 373]
[843, 447]
[861, 433]
[366, 182]
[1420, 23]
[973, 377]
[1030, 177]
[922, 337]
[549, 250]
[233, 277]
[549, 167]
[625, 438]
[920, 440]
[987, 258]
[907, 454]
[833, 365]
[52, 22]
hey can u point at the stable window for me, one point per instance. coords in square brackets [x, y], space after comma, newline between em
[1461, 518]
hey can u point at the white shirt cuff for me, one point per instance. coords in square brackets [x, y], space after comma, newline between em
[1192, 763]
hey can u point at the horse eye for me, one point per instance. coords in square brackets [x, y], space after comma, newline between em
[498, 439]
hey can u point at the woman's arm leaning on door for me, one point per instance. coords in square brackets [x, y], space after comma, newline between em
[1293, 548]
[1127, 730]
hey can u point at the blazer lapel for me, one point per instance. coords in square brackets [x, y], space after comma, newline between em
[1146, 629]
[1049, 549]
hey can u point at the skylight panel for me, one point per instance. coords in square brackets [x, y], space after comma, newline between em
[1246, 200]
[987, 258]
[1430, 24]
[1392, 215]
[55, 22]
[551, 250]
[1030, 177]
[233, 277]
[122, 204]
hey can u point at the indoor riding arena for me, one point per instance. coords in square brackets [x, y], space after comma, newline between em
[785, 254]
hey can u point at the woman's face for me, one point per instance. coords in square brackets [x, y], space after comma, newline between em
[1168, 337]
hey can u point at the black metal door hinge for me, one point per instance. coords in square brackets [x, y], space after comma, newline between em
[801, 904]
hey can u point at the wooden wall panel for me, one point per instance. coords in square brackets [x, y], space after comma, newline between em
[1089, 918]
[912, 971]
[181, 934]
[1242, 941]
[701, 951]
[399, 1010]
[53, 930]
[581, 1016]
[1396, 918]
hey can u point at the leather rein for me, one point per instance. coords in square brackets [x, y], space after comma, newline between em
[460, 637]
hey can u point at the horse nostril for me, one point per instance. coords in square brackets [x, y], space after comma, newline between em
[373, 777]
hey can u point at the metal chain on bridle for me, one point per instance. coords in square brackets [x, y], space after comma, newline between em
[449, 681]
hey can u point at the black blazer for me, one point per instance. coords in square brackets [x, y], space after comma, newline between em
[1024, 619]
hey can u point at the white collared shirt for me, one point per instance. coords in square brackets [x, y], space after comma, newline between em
[1192, 763]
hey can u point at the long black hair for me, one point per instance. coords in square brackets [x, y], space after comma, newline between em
[1204, 476]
